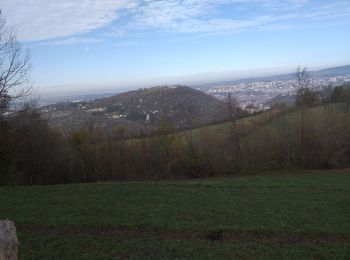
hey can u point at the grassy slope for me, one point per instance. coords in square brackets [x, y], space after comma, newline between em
[220, 131]
[172, 219]
[252, 125]
[270, 120]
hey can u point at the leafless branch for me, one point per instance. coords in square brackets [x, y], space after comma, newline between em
[14, 67]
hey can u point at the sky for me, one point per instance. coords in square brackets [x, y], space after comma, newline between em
[103, 45]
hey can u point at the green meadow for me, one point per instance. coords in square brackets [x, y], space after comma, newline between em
[289, 215]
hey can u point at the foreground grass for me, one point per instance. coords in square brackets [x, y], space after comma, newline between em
[289, 216]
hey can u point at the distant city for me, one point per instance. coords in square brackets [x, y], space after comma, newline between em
[260, 92]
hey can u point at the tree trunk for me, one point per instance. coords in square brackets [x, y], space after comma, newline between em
[302, 137]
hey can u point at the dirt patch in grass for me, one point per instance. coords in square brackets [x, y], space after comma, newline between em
[307, 238]
[347, 170]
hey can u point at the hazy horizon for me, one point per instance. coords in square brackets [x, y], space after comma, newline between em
[192, 80]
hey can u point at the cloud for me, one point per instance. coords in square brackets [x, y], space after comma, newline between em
[166, 13]
[47, 19]
[72, 41]
[205, 16]
[215, 25]
[69, 22]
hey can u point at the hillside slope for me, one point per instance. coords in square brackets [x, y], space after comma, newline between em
[269, 140]
[141, 110]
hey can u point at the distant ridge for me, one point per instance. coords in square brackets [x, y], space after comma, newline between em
[332, 72]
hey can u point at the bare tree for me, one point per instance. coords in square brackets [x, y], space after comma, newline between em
[284, 129]
[14, 67]
[233, 111]
[303, 80]
[188, 125]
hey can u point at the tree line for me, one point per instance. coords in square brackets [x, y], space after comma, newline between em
[314, 137]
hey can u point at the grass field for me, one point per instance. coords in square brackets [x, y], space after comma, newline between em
[290, 215]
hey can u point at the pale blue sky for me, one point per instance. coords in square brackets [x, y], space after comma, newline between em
[101, 45]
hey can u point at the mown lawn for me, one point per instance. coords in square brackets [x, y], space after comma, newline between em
[294, 215]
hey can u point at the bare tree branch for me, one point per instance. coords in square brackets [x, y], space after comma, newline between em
[14, 68]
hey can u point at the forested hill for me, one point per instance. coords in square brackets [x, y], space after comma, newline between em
[141, 110]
